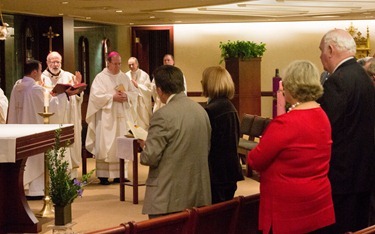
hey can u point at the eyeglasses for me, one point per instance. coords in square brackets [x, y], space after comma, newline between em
[55, 62]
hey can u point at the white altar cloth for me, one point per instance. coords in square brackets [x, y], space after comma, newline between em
[125, 148]
[10, 132]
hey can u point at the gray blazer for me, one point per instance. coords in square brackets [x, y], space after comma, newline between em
[176, 151]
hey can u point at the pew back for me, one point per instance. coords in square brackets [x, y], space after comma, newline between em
[178, 223]
[123, 228]
[220, 218]
[248, 214]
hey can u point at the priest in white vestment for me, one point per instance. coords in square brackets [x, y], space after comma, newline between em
[3, 107]
[69, 112]
[141, 81]
[26, 100]
[112, 98]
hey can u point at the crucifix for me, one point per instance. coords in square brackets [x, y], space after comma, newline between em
[50, 35]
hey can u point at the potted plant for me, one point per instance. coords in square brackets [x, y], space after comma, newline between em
[62, 189]
[241, 49]
[243, 62]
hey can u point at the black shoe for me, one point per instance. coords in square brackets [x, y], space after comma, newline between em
[34, 198]
[116, 180]
[104, 181]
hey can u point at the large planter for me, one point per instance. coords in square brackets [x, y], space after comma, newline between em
[63, 215]
[246, 77]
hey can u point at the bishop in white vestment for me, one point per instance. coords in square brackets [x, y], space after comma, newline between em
[112, 98]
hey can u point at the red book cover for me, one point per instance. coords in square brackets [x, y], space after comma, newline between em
[60, 88]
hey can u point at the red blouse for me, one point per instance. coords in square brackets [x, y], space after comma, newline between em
[293, 161]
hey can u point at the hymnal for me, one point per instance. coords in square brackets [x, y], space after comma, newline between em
[60, 88]
[138, 132]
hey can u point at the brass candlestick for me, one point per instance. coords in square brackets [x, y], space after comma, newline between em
[47, 210]
[46, 115]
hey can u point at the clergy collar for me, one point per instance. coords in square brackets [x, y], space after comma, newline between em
[54, 75]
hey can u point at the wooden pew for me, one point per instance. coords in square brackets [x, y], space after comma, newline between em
[248, 215]
[220, 218]
[123, 228]
[178, 223]
[367, 230]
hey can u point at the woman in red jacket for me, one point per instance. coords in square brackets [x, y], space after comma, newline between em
[293, 158]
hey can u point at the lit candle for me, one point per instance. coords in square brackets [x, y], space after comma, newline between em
[46, 98]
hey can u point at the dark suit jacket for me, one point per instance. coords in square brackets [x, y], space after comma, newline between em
[348, 100]
[223, 159]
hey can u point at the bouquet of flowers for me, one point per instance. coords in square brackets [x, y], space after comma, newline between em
[63, 190]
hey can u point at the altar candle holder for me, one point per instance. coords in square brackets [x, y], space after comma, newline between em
[47, 210]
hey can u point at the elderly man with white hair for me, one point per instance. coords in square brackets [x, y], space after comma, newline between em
[348, 100]
[69, 111]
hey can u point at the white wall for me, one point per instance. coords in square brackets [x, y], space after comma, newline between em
[197, 46]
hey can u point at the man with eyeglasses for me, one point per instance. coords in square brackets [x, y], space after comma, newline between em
[112, 99]
[68, 112]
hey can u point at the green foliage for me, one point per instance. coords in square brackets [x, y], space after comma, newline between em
[63, 190]
[241, 49]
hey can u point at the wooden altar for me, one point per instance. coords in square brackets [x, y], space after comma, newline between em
[17, 143]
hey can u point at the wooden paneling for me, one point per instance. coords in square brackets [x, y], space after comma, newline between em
[246, 77]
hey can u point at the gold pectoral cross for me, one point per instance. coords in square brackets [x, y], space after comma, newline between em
[50, 35]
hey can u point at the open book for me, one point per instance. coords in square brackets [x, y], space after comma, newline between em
[60, 88]
[138, 132]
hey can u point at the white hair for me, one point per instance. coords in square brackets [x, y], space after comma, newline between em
[342, 40]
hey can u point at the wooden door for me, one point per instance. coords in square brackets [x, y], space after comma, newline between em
[150, 44]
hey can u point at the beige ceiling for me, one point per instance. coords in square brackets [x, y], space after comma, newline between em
[160, 12]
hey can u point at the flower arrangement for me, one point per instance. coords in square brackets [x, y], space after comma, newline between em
[241, 49]
[63, 190]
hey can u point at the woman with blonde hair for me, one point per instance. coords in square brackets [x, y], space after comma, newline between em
[223, 160]
[293, 160]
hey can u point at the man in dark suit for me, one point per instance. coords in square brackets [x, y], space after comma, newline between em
[348, 100]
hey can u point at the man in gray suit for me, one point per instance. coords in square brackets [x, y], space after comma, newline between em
[176, 149]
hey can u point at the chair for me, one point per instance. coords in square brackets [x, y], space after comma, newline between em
[248, 215]
[252, 126]
[123, 228]
[220, 218]
[178, 223]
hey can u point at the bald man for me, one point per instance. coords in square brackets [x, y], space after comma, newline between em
[141, 81]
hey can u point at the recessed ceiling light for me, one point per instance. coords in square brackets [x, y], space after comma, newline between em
[88, 17]
[65, 2]
[152, 17]
[61, 14]
[131, 23]
[119, 11]
[178, 21]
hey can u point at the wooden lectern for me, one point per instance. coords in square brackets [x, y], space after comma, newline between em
[17, 143]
